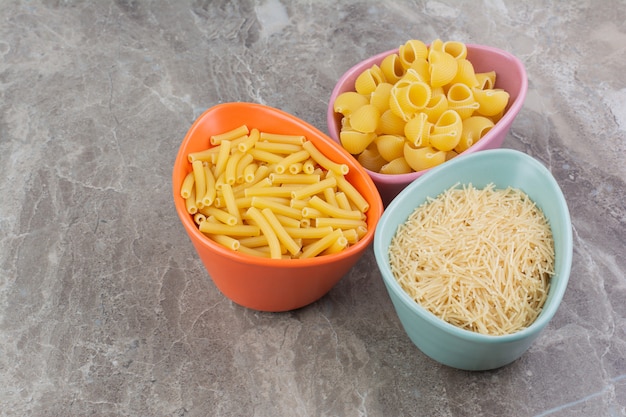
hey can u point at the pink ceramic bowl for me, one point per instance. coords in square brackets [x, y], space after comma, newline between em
[510, 76]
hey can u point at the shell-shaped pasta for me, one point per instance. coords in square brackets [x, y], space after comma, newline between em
[419, 70]
[365, 118]
[406, 101]
[411, 50]
[436, 106]
[465, 73]
[392, 68]
[397, 166]
[461, 99]
[367, 81]
[492, 101]
[389, 146]
[436, 45]
[417, 130]
[380, 97]
[457, 49]
[486, 80]
[371, 159]
[442, 68]
[474, 128]
[348, 102]
[355, 142]
[423, 158]
[446, 132]
[390, 124]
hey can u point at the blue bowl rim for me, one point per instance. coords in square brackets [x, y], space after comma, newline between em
[557, 291]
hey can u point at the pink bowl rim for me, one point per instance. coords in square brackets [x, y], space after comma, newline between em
[506, 120]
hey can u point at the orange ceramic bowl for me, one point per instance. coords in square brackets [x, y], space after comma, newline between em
[260, 283]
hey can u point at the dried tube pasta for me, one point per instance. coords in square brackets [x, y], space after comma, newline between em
[294, 178]
[227, 241]
[253, 252]
[353, 194]
[222, 158]
[254, 241]
[208, 155]
[209, 227]
[249, 142]
[210, 193]
[319, 246]
[338, 245]
[286, 162]
[230, 173]
[188, 184]
[244, 161]
[287, 221]
[342, 200]
[324, 161]
[281, 138]
[265, 156]
[311, 213]
[308, 166]
[263, 203]
[199, 218]
[199, 181]
[220, 215]
[338, 223]
[230, 135]
[308, 232]
[351, 235]
[277, 147]
[190, 203]
[279, 191]
[229, 201]
[280, 232]
[249, 172]
[333, 211]
[313, 189]
[268, 231]
[330, 197]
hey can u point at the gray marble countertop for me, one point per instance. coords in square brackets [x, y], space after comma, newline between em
[105, 308]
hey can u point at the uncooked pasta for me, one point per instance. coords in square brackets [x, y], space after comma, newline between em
[480, 259]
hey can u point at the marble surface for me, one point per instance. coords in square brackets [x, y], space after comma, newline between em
[105, 309]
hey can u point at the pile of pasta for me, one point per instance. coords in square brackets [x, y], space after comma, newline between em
[273, 195]
[421, 107]
[480, 259]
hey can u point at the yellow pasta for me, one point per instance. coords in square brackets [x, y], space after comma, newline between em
[423, 158]
[486, 80]
[230, 135]
[354, 141]
[248, 206]
[390, 124]
[392, 68]
[320, 245]
[199, 181]
[474, 128]
[491, 101]
[346, 103]
[461, 100]
[417, 130]
[380, 98]
[324, 161]
[458, 50]
[396, 166]
[188, 184]
[371, 159]
[411, 50]
[367, 81]
[443, 68]
[390, 147]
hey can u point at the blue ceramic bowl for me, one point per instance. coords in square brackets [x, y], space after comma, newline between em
[444, 342]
